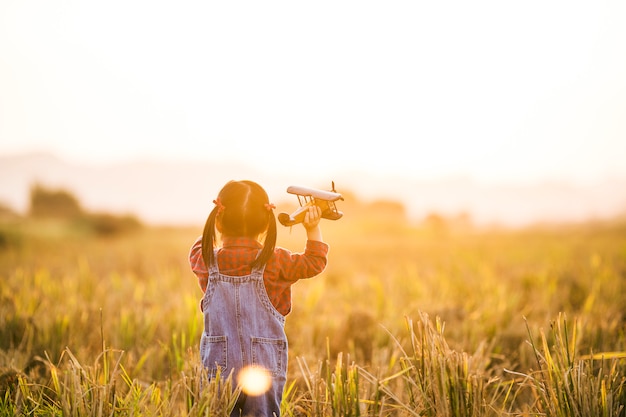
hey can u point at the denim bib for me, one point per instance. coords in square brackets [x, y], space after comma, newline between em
[242, 328]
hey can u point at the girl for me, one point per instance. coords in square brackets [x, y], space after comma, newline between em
[247, 288]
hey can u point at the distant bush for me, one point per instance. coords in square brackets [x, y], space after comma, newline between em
[8, 238]
[49, 203]
[105, 224]
[58, 204]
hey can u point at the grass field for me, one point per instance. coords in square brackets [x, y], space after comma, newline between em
[427, 320]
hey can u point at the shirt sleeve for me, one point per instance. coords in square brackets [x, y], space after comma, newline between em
[295, 266]
[197, 264]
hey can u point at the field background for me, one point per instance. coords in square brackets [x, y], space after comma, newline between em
[108, 323]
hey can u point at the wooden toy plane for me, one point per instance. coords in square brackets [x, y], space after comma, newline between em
[308, 197]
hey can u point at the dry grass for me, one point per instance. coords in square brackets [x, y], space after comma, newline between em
[405, 321]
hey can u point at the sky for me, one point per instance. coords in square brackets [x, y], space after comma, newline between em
[496, 91]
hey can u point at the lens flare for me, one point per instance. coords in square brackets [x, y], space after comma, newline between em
[254, 380]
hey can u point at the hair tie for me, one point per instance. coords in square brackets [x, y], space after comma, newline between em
[269, 206]
[219, 205]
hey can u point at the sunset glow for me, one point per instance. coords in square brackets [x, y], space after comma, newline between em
[489, 89]
[494, 92]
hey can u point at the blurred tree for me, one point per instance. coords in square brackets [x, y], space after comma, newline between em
[45, 202]
[105, 224]
[61, 205]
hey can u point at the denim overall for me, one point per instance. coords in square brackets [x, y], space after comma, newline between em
[242, 327]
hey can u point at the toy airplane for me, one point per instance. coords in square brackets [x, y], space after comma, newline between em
[308, 197]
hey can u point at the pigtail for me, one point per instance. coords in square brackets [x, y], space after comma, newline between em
[269, 244]
[208, 238]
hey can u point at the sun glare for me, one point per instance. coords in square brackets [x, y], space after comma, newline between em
[254, 380]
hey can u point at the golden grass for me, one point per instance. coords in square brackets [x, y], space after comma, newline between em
[404, 321]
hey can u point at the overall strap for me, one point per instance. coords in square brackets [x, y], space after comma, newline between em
[213, 268]
[258, 271]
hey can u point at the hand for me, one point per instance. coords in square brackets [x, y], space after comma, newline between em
[312, 217]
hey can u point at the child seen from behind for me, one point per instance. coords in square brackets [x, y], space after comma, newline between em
[247, 288]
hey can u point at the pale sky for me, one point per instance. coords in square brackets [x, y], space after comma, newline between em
[494, 90]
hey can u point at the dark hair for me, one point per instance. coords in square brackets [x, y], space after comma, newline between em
[242, 209]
